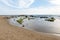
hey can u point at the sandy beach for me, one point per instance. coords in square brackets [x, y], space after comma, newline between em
[10, 32]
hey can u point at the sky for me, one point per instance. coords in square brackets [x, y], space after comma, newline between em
[29, 7]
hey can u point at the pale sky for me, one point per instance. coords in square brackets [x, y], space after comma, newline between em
[18, 7]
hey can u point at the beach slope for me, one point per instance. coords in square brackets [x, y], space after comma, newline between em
[10, 32]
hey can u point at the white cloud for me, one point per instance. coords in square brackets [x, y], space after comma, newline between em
[25, 3]
[55, 10]
[48, 10]
[7, 3]
[56, 2]
[21, 4]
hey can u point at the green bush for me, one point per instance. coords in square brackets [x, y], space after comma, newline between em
[52, 19]
[28, 18]
[20, 20]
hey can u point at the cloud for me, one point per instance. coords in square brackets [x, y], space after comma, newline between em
[25, 3]
[45, 10]
[55, 10]
[21, 3]
[56, 2]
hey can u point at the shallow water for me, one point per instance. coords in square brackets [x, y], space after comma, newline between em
[39, 25]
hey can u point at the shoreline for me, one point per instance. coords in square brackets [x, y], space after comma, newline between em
[10, 32]
[47, 27]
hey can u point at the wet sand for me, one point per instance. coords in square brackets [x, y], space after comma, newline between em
[10, 32]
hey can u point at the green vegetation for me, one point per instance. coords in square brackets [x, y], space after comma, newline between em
[51, 19]
[28, 18]
[20, 20]
[43, 17]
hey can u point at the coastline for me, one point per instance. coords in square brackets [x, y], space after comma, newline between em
[10, 32]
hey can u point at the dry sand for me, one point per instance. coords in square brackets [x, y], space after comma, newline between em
[9, 32]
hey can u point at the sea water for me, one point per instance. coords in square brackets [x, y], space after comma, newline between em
[39, 24]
